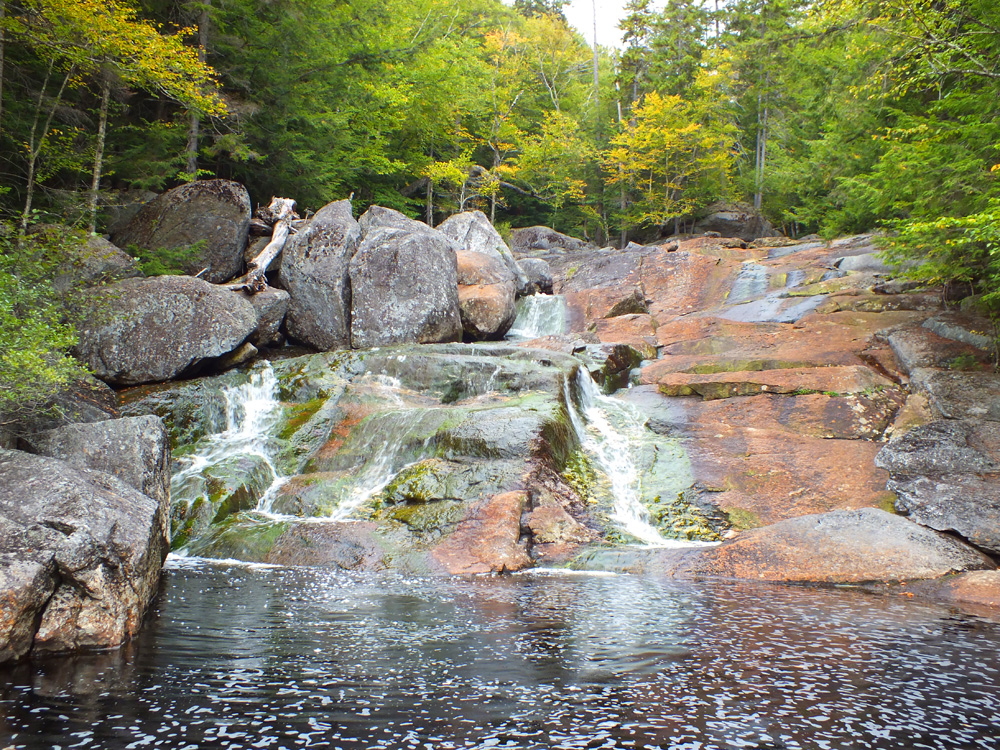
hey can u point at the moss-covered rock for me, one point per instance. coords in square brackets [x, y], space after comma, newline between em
[217, 492]
[244, 536]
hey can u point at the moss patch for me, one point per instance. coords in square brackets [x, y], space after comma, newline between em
[742, 519]
[887, 502]
[676, 518]
[579, 473]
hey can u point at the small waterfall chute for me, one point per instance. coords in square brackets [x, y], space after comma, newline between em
[608, 430]
[539, 315]
[252, 411]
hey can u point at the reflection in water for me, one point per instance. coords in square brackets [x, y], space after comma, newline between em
[240, 657]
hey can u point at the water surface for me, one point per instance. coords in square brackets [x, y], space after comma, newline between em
[257, 657]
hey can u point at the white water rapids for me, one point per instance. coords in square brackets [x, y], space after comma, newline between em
[610, 431]
[252, 411]
[539, 315]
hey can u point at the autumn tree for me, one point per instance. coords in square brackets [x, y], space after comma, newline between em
[102, 41]
[662, 156]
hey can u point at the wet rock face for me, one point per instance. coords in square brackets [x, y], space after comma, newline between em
[840, 547]
[315, 272]
[216, 493]
[419, 440]
[404, 283]
[946, 475]
[80, 556]
[210, 216]
[149, 330]
[487, 540]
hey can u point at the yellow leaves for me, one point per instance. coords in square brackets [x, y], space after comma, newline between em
[661, 152]
[88, 34]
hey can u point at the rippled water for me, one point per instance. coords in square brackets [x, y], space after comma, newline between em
[241, 657]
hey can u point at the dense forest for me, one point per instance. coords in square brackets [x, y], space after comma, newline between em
[830, 116]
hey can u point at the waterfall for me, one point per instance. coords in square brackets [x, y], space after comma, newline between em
[539, 315]
[252, 412]
[607, 429]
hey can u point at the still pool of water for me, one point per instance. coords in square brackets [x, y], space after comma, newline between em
[256, 657]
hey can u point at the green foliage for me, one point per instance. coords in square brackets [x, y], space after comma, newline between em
[838, 115]
[35, 333]
[165, 261]
[665, 158]
[963, 248]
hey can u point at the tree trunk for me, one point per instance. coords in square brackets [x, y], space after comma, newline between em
[430, 203]
[102, 127]
[194, 127]
[35, 145]
[3, 44]
[282, 212]
[194, 120]
[761, 157]
[597, 91]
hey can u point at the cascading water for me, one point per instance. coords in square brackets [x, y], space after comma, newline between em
[539, 315]
[609, 430]
[251, 412]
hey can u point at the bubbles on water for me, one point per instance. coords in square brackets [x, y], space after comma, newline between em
[239, 657]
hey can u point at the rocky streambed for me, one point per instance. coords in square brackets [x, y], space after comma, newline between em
[701, 408]
[447, 458]
[678, 426]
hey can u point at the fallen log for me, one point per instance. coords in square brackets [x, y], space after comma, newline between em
[281, 212]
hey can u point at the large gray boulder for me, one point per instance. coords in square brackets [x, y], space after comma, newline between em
[134, 449]
[314, 271]
[82, 399]
[945, 446]
[404, 283]
[538, 272]
[472, 232]
[210, 216]
[95, 261]
[735, 220]
[148, 330]
[83, 259]
[960, 395]
[946, 476]
[530, 239]
[80, 556]
[271, 307]
[121, 207]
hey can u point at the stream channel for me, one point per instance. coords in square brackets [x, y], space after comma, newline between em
[241, 653]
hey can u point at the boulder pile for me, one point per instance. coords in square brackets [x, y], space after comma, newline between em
[337, 283]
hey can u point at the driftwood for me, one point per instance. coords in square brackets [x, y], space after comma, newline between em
[280, 213]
